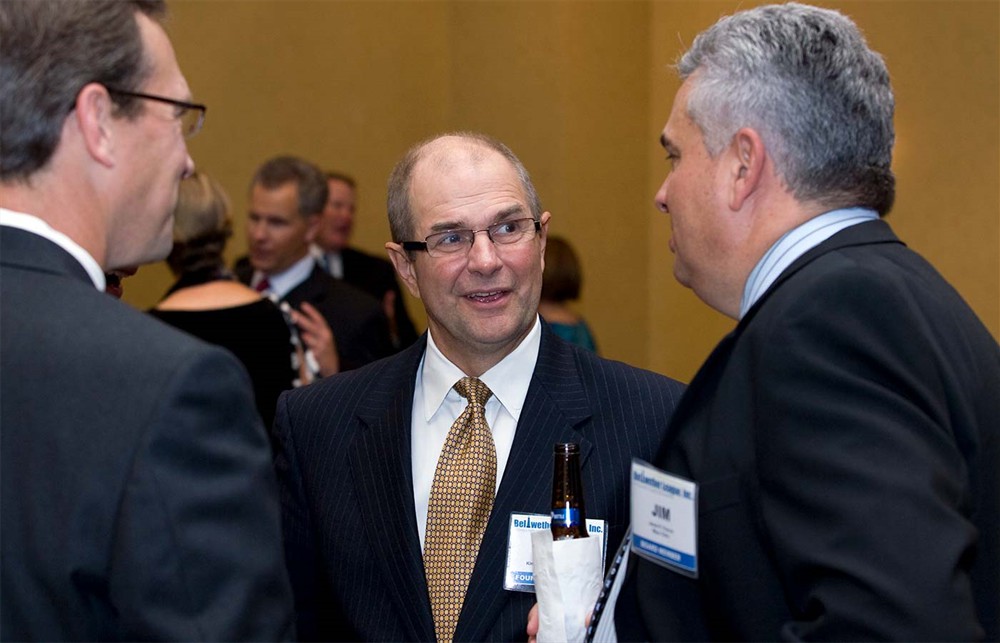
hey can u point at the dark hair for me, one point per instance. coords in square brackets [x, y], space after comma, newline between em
[400, 216]
[309, 179]
[49, 51]
[201, 225]
[562, 277]
[343, 178]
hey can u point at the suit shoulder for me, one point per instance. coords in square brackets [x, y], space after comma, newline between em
[368, 384]
[626, 373]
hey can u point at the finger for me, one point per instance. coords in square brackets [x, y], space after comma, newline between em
[532, 628]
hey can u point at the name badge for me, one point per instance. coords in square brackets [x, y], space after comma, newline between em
[664, 518]
[519, 575]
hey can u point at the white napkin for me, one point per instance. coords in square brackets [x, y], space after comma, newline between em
[568, 576]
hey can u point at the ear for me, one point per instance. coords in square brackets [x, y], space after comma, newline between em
[544, 233]
[748, 166]
[312, 226]
[93, 118]
[404, 267]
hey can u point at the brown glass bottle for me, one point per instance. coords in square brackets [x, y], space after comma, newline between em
[569, 515]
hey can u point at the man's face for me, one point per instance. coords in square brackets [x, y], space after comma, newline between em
[479, 305]
[277, 234]
[154, 156]
[700, 225]
[337, 222]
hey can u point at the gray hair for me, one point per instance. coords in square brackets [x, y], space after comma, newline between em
[401, 216]
[308, 178]
[50, 50]
[805, 79]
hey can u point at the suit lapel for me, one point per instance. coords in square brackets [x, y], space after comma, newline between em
[382, 475]
[311, 289]
[554, 409]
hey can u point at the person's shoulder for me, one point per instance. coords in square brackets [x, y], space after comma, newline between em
[366, 258]
[627, 372]
[343, 293]
[368, 384]
[368, 269]
[591, 362]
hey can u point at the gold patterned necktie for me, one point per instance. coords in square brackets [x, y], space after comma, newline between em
[459, 507]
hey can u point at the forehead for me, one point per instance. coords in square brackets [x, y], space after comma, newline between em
[165, 74]
[281, 201]
[464, 185]
[679, 125]
[341, 189]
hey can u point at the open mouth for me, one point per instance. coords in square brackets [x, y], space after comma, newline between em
[486, 297]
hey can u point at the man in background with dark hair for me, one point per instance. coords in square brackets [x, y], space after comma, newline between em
[374, 275]
[287, 197]
[138, 498]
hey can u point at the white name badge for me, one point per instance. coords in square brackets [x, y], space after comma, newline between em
[519, 575]
[664, 518]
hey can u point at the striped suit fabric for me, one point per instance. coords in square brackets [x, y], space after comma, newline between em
[346, 488]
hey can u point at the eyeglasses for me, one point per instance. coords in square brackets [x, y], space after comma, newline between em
[191, 115]
[453, 242]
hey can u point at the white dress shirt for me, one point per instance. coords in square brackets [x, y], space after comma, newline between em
[283, 282]
[331, 262]
[31, 223]
[436, 406]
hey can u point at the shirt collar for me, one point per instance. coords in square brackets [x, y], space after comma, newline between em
[35, 225]
[283, 282]
[795, 243]
[508, 379]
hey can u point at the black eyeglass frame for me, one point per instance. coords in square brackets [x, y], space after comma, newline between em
[422, 245]
[202, 109]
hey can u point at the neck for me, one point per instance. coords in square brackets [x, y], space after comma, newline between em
[68, 209]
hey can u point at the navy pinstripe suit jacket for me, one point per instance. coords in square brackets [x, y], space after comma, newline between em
[345, 475]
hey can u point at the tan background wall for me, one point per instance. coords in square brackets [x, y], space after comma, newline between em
[580, 91]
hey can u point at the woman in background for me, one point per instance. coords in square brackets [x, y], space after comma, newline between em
[207, 301]
[561, 281]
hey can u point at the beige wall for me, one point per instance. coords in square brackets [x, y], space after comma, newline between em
[580, 90]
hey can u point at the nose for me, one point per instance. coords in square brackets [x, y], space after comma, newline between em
[661, 197]
[255, 231]
[483, 255]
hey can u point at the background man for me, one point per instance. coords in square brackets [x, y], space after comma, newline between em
[138, 498]
[844, 437]
[287, 195]
[372, 274]
[364, 452]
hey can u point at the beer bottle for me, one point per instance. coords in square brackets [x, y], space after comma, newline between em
[569, 517]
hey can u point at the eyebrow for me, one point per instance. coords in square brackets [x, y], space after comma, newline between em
[502, 215]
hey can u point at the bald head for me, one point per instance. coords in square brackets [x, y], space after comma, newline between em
[444, 154]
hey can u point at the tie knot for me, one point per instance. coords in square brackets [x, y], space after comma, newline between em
[474, 390]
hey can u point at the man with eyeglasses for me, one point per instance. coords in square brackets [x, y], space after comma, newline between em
[362, 454]
[138, 497]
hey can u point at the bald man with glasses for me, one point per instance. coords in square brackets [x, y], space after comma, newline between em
[364, 455]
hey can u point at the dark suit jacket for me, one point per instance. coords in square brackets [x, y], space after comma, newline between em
[846, 443]
[359, 326]
[376, 276]
[345, 476]
[138, 496]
